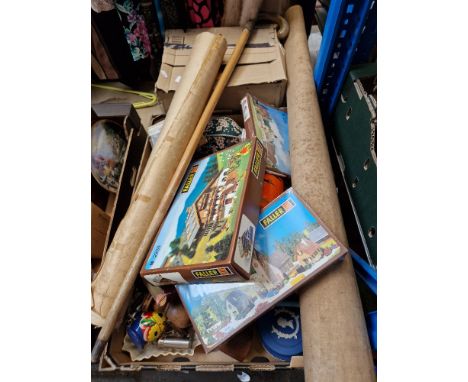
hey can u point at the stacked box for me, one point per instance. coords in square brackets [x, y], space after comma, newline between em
[209, 231]
[270, 125]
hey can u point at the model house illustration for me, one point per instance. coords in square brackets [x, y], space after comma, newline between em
[281, 260]
[307, 252]
[238, 304]
[246, 240]
[212, 207]
[266, 273]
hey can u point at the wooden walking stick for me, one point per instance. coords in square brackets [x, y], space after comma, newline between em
[165, 203]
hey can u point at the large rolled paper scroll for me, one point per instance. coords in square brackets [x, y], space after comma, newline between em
[334, 336]
[182, 117]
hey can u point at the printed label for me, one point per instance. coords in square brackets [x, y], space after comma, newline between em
[211, 272]
[244, 245]
[245, 108]
[277, 213]
[189, 180]
[257, 161]
[155, 279]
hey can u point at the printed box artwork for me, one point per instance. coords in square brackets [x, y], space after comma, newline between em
[291, 246]
[270, 125]
[209, 231]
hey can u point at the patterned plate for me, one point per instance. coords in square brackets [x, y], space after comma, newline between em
[219, 134]
[108, 146]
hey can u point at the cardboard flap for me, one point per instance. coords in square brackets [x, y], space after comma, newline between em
[264, 73]
[261, 62]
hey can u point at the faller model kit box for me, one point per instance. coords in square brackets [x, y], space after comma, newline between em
[209, 231]
[292, 246]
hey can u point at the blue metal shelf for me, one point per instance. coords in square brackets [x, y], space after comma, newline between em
[369, 276]
[349, 37]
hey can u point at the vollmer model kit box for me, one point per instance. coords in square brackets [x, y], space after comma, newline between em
[209, 231]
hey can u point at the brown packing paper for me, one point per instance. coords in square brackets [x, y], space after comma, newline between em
[231, 14]
[335, 342]
[182, 117]
[233, 9]
[249, 11]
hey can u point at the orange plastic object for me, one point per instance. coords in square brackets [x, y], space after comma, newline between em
[273, 186]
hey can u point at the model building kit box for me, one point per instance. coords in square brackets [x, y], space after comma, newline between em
[292, 245]
[209, 231]
[261, 70]
[270, 125]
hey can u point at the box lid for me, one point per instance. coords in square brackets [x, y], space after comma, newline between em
[261, 62]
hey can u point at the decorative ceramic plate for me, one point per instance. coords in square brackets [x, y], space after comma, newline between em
[108, 146]
[280, 332]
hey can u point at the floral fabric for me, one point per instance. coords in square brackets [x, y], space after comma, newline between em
[219, 134]
[134, 28]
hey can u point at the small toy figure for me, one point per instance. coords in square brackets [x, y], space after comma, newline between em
[147, 327]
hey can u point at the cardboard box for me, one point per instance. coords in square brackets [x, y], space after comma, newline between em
[261, 70]
[115, 205]
[209, 231]
[270, 125]
[114, 359]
